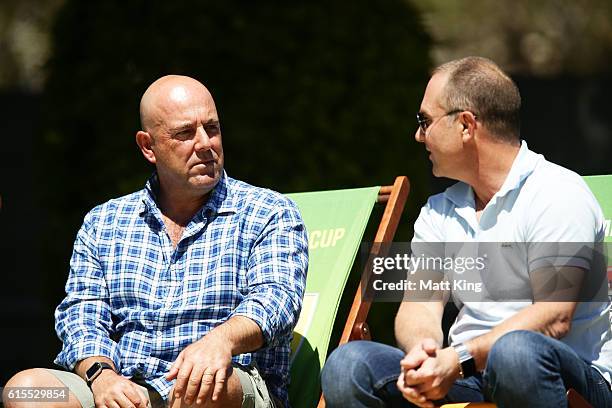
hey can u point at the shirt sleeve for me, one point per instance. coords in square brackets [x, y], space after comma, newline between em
[428, 239]
[83, 319]
[276, 274]
[565, 229]
[563, 221]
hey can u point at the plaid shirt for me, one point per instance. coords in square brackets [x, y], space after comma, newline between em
[134, 298]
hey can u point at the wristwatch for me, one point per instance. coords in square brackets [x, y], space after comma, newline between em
[467, 365]
[95, 370]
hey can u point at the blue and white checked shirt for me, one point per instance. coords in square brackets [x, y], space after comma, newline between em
[134, 298]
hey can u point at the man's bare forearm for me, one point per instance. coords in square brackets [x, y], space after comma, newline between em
[416, 321]
[242, 333]
[552, 319]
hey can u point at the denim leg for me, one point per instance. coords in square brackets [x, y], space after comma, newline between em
[362, 374]
[528, 369]
[465, 390]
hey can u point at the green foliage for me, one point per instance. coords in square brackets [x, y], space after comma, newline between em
[311, 95]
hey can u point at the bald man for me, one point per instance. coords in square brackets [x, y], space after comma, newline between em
[186, 292]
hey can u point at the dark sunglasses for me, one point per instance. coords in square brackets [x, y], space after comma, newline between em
[424, 122]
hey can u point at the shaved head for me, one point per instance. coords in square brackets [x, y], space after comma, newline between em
[166, 92]
[181, 136]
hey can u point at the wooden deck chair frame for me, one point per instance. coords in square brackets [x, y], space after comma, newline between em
[394, 197]
[574, 400]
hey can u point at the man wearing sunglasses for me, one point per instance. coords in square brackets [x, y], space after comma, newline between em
[514, 352]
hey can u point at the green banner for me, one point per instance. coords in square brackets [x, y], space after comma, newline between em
[336, 221]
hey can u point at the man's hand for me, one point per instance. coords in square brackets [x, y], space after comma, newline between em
[113, 390]
[421, 352]
[433, 378]
[201, 368]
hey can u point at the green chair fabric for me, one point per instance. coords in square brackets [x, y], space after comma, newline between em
[601, 186]
[335, 221]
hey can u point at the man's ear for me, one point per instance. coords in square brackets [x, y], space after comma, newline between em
[144, 142]
[469, 124]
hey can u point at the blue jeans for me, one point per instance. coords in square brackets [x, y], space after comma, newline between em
[524, 369]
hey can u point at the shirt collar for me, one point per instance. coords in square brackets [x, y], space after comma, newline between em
[524, 164]
[149, 195]
[221, 199]
[461, 194]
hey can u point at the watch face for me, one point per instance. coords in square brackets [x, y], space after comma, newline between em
[91, 372]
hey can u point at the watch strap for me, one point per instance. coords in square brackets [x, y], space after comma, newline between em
[95, 370]
[467, 364]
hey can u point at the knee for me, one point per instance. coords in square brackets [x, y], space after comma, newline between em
[344, 358]
[342, 365]
[26, 378]
[514, 351]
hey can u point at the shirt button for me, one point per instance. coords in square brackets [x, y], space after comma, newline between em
[159, 333]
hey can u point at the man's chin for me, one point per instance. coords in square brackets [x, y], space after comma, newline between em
[205, 181]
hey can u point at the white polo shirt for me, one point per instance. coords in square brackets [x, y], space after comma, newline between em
[538, 202]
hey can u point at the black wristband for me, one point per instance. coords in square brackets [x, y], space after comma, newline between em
[95, 370]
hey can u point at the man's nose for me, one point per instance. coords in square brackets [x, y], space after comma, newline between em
[419, 136]
[202, 141]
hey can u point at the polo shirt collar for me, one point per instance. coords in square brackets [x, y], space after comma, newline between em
[462, 194]
[524, 163]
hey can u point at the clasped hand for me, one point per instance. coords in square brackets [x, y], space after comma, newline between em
[427, 373]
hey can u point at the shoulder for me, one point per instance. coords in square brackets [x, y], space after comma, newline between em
[561, 205]
[553, 186]
[258, 200]
[429, 226]
[116, 209]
